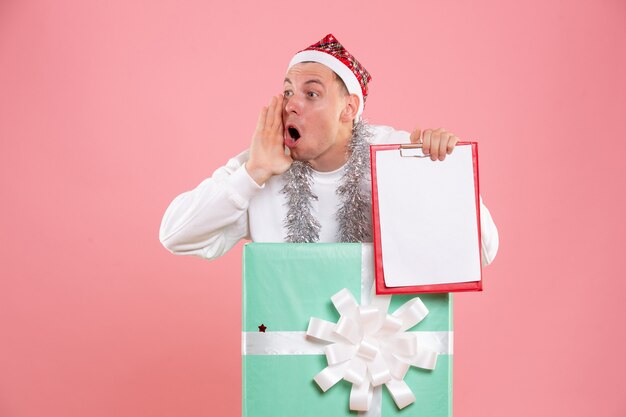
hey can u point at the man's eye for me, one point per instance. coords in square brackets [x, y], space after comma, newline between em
[312, 94]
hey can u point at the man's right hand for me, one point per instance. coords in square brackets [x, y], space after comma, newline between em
[267, 152]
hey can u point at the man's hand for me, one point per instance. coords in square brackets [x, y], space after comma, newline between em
[437, 143]
[267, 152]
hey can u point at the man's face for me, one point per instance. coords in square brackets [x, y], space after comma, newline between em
[312, 116]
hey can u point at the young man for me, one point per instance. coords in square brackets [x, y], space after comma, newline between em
[316, 191]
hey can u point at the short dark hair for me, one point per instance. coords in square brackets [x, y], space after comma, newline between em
[342, 84]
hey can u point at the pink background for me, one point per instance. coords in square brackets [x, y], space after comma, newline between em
[110, 109]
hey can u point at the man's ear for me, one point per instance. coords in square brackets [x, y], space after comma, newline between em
[351, 108]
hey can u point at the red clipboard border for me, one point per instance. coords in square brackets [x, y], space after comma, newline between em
[381, 287]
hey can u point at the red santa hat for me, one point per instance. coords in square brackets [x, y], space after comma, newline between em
[331, 53]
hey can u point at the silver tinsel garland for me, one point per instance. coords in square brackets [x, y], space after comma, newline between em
[353, 215]
[302, 227]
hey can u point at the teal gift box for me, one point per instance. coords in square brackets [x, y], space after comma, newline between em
[284, 285]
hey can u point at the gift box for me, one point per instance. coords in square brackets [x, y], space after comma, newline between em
[355, 351]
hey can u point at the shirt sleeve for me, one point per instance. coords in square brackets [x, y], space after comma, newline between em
[210, 219]
[489, 235]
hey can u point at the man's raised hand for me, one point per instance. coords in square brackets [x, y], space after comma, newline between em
[267, 151]
[436, 143]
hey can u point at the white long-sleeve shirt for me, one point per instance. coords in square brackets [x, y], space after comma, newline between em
[229, 206]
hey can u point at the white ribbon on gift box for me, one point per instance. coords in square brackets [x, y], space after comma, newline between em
[368, 347]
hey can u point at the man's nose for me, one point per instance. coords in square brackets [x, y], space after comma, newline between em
[293, 105]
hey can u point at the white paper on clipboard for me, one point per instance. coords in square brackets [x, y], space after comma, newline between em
[428, 219]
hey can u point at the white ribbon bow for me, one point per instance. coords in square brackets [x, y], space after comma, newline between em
[369, 347]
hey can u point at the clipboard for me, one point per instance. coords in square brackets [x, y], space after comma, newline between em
[426, 237]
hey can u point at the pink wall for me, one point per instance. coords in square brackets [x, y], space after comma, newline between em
[110, 109]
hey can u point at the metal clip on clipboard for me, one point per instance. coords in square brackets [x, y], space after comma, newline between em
[412, 150]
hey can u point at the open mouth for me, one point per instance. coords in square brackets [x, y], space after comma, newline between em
[293, 133]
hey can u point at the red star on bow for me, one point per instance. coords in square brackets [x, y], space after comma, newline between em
[262, 328]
